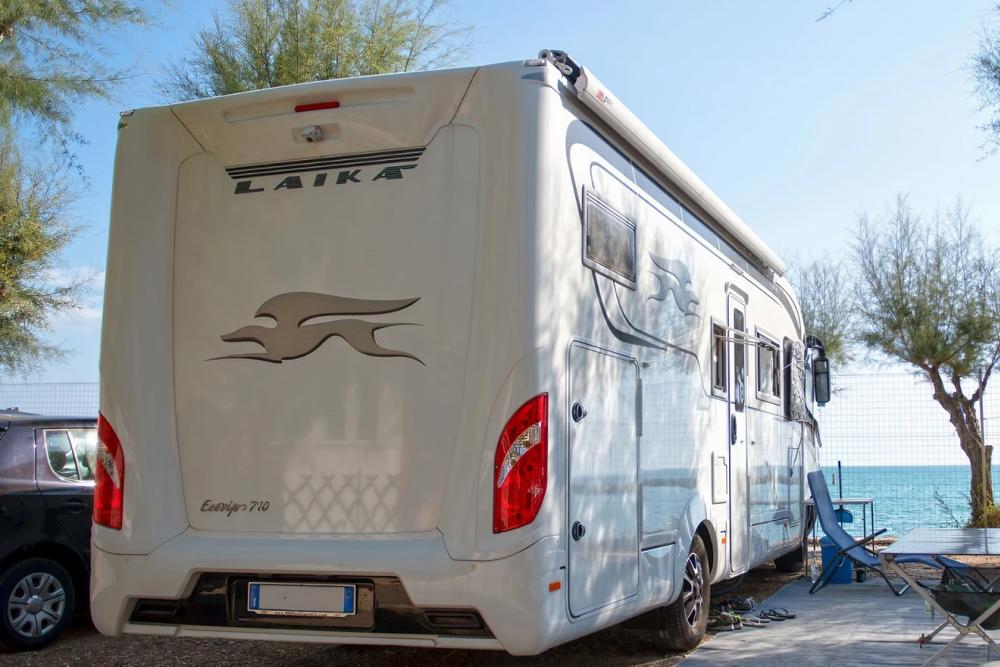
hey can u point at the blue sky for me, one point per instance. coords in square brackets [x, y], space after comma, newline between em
[799, 125]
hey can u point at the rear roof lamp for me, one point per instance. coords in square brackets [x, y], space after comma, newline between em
[316, 106]
[520, 471]
[109, 477]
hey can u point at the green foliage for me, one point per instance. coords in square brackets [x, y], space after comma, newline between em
[990, 518]
[986, 72]
[265, 43]
[825, 296]
[50, 58]
[32, 232]
[929, 294]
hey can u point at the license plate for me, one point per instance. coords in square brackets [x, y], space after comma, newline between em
[327, 600]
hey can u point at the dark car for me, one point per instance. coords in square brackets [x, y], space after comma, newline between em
[46, 498]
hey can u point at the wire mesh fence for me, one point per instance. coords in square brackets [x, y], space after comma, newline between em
[70, 399]
[895, 444]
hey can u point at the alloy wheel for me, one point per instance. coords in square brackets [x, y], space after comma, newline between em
[691, 597]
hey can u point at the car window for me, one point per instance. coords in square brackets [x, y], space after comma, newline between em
[85, 446]
[59, 451]
[72, 453]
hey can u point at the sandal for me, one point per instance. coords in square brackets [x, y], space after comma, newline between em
[777, 614]
[745, 604]
[755, 621]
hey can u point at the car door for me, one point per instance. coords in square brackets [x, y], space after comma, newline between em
[64, 459]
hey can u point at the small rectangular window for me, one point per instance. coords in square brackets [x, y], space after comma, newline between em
[609, 242]
[768, 368]
[719, 358]
[739, 362]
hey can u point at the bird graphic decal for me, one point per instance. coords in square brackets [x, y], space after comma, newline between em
[292, 338]
[677, 281]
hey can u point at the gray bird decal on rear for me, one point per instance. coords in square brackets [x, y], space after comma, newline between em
[293, 339]
[676, 280]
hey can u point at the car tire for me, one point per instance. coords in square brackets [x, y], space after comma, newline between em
[37, 600]
[681, 625]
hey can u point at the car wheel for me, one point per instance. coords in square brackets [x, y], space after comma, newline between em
[38, 597]
[682, 624]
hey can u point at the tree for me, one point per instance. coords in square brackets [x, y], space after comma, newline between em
[266, 43]
[50, 58]
[929, 295]
[986, 72]
[32, 232]
[823, 288]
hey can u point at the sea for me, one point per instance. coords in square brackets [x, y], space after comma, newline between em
[906, 497]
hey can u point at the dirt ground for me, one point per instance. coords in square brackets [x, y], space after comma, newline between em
[614, 646]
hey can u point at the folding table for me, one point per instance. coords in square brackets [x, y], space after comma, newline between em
[936, 542]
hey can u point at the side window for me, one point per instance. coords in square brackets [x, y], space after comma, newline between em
[739, 362]
[609, 241]
[59, 451]
[72, 454]
[768, 368]
[787, 374]
[85, 447]
[718, 358]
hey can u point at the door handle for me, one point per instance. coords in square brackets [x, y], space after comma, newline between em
[732, 430]
[578, 412]
[75, 505]
[578, 531]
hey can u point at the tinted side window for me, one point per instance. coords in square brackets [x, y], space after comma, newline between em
[718, 357]
[59, 451]
[85, 447]
[739, 362]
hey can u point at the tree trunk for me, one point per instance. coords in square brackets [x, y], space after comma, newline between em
[963, 417]
[962, 414]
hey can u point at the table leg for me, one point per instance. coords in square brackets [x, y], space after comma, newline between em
[972, 628]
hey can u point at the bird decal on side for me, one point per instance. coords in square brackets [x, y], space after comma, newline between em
[292, 338]
[676, 279]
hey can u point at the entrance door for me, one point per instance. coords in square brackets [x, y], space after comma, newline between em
[603, 480]
[739, 496]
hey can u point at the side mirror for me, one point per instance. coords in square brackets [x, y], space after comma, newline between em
[821, 380]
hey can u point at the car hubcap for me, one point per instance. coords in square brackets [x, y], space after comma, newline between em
[36, 605]
[694, 581]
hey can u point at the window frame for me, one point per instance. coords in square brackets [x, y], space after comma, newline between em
[591, 197]
[719, 391]
[766, 340]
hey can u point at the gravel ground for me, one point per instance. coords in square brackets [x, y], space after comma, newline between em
[81, 644]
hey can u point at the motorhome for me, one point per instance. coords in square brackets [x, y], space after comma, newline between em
[463, 358]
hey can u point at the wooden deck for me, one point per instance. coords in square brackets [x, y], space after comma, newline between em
[849, 625]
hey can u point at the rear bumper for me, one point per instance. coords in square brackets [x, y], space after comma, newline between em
[511, 594]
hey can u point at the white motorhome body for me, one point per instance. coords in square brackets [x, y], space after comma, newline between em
[328, 305]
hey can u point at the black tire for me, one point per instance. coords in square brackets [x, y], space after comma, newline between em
[37, 600]
[790, 562]
[681, 626]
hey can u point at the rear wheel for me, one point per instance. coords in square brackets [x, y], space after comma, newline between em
[37, 598]
[681, 625]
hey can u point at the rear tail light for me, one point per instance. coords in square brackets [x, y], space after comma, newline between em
[109, 477]
[520, 471]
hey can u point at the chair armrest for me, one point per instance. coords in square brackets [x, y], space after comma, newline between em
[862, 542]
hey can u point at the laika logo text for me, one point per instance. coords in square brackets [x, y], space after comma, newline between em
[292, 338]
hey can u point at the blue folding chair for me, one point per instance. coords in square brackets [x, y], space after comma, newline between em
[847, 545]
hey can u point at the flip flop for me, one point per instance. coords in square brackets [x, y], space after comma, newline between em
[777, 614]
[755, 621]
